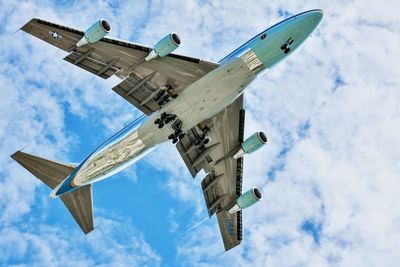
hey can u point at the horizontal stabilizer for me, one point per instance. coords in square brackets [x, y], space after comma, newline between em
[78, 202]
[49, 172]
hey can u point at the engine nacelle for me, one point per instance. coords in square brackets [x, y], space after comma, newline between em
[95, 32]
[254, 142]
[165, 46]
[246, 200]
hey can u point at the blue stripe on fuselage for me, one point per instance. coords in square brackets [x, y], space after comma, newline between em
[67, 186]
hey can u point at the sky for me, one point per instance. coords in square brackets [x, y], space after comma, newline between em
[329, 173]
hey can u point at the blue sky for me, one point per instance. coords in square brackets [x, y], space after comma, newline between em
[329, 173]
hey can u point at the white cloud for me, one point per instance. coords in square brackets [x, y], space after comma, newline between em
[38, 88]
[341, 172]
[113, 243]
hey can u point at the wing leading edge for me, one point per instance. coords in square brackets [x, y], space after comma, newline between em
[223, 183]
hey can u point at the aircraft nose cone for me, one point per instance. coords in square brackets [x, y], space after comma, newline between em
[308, 21]
[316, 16]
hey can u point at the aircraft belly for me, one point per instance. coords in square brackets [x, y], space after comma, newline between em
[198, 102]
[117, 156]
[213, 94]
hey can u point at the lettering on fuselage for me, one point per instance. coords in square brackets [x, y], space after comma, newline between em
[252, 61]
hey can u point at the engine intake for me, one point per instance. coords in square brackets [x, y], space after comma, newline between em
[165, 46]
[253, 143]
[95, 33]
[246, 200]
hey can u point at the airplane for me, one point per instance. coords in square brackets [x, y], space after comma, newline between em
[195, 104]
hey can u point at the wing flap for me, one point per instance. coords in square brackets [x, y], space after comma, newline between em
[139, 91]
[195, 159]
[95, 66]
[212, 195]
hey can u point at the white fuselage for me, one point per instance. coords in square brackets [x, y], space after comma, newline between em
[198, 102]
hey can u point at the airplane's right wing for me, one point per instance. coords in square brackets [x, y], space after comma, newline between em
[223, 184]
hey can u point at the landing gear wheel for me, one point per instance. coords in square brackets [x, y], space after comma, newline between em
[160, 125]
[205, 142]
[163, 115]
[171, 136]
[284, 46]
[157, 121]
[202, 147]
[181, 135]
[287, 50]
[175, 140]
[169, 119]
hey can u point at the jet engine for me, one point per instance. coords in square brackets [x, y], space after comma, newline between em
[254, 142]
[95, 32]
[165, 46]
[247, 199]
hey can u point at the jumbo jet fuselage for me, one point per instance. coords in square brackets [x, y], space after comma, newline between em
[198, 102]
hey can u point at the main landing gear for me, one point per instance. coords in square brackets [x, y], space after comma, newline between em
[164, 119]
[285, 47]
[177, 134]
[176, 126]
[202, 140]
[164, 96]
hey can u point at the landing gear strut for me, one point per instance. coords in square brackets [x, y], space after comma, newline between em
[177, 134]
[164, 96]
[176, 126]
[201, 140]
[164, 119]
[285, 46]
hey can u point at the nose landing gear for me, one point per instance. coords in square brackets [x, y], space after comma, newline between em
[285, 47]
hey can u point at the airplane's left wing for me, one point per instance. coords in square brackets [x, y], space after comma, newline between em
[142, 81]
[223, 183]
